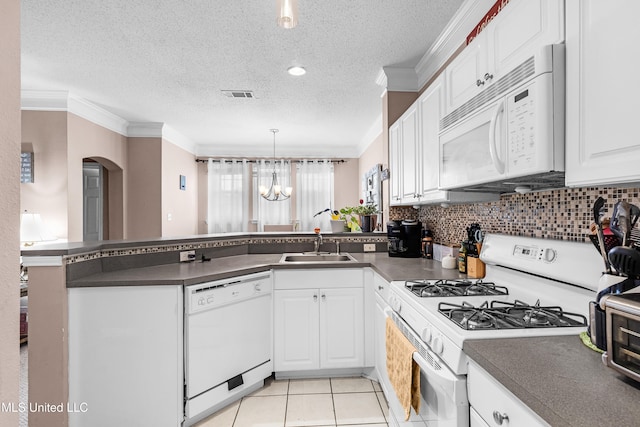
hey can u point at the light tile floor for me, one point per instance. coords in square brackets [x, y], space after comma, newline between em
[357, 402]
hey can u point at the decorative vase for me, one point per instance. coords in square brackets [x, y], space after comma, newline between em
[338, 225]
[368, 223]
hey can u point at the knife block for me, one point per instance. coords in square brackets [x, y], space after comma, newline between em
[475, 268]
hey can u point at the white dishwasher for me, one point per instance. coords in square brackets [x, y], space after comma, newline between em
[228, 343]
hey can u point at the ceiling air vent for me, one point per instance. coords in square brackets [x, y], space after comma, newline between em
[238, 93]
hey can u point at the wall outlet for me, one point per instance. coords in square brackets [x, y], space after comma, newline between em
[187, 256]
[369, 247]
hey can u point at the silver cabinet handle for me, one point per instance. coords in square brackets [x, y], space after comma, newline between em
[380, 288]
[488, 76]
[479, 82]
[315, 297]
[500, 418]
[324, 297]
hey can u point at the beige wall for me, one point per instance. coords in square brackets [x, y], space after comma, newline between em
[89, 140]
[10, 206]
[181, 205]
[346, 178]
[376, 153]
[144, 188]
[47, 195]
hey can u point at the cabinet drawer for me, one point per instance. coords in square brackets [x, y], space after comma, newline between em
[318, 278]
[487, 396]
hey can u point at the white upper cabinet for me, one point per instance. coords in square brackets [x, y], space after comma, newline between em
[603, 100]
[520, 30]
[410, 149]
[431, 106]
[395, 153]
[465, 75]
[514, 35]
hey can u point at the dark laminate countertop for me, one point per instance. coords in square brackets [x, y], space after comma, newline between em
[221, 268]
[560, 379]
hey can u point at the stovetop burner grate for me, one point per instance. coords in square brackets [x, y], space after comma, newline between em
[507, 315]
[453, 288]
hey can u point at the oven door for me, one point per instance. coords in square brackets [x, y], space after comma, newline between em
[443, 394]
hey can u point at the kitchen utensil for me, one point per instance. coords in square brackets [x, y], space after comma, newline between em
[598, 214]
[626, 261]
[621, 221]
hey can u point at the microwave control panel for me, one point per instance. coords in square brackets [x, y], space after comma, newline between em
[521, 127]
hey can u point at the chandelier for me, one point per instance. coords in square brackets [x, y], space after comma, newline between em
[275, 193]
[287, 13]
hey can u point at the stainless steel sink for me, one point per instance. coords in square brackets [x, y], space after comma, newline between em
[312, 257]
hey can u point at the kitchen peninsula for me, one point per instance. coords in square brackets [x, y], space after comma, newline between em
[57, 270]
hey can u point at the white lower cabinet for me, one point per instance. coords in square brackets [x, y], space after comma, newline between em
[495, 405]
[318, 327]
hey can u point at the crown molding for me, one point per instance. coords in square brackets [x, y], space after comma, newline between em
[91, 112]
[178, 139]
[145, 129]
[397, 79]
[451, 38]
[61, 100]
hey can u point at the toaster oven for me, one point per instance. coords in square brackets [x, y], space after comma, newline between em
[623, 333]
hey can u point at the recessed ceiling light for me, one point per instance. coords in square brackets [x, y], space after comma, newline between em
[296, 70]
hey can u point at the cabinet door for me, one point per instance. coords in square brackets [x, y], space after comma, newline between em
[602, 146]
[394, 163]
[520, 30]
[296, 330]
[409, 132]
[341, 328]
[430, 107]
[464, 75]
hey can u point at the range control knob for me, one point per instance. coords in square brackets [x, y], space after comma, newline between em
[209, 300]
[257, 287]
[549, 255]
[437, 346]
[200, 301]
[426, 335]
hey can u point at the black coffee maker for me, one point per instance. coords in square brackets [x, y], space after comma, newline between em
[404, 238]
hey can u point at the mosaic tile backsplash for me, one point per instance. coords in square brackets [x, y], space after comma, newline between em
[564, 214]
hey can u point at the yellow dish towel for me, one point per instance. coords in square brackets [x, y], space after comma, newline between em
[404, 373]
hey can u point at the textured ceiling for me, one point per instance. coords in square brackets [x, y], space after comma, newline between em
[168, 60]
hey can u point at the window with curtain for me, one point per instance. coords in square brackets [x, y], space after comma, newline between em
[268, 213]
[314, 193]
[228, 201]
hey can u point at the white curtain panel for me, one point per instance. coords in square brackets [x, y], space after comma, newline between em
[228, 201]
[278, 212]
[314, 193]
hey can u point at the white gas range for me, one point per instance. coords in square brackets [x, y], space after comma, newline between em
[535, 287]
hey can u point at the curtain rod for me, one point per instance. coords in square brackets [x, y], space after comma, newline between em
[205, 160]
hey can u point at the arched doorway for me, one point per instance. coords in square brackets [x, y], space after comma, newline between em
[102, 195]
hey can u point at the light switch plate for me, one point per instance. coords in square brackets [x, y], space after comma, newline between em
[369, 247]
[186, 256]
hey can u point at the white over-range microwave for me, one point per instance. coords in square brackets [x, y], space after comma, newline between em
[510, 137]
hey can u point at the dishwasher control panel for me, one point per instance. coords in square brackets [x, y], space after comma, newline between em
[205, 296]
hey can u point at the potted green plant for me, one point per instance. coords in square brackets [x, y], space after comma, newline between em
[350, 218]
[368, 215]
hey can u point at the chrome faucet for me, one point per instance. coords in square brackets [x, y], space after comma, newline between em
[338, 246]
[318, 242]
